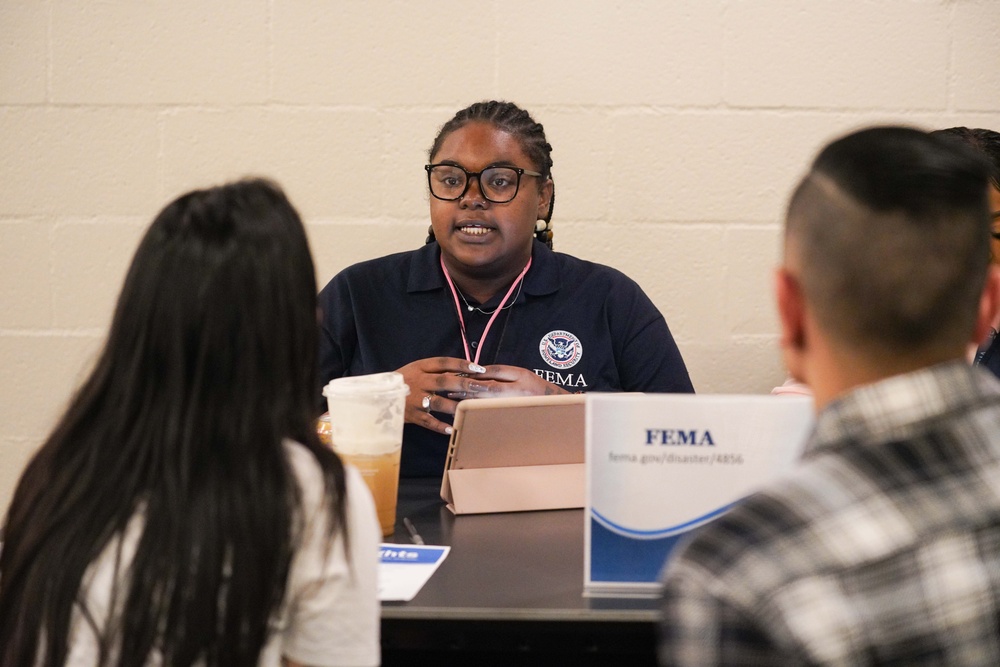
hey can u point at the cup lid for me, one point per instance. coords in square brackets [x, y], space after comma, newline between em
[374, 383]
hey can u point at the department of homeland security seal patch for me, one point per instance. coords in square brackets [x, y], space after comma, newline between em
[560, 349]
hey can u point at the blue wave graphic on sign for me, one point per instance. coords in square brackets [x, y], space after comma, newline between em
[620, 559]
[660, 532]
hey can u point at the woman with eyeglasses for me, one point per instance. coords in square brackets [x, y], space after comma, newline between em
[486, 308]
[183, 511]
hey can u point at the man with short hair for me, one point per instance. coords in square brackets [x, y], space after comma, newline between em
[883, 546]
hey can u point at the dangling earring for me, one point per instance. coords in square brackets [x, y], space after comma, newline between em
[543, 228]
[543, 232]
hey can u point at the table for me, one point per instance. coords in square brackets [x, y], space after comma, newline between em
[510, 592]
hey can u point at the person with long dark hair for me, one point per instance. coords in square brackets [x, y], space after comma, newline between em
[182, 511]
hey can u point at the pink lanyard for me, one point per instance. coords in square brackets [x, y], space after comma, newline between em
[461, 319]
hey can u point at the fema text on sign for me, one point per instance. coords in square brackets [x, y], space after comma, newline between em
[678, 437]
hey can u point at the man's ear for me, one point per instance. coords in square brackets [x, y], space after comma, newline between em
[791, 309]
[989, 305]
[791, 312]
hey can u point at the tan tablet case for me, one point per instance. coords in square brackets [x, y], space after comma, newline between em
[516, 454]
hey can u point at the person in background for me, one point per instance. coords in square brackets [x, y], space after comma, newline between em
[883, 545]
[987, 143]
[486, 308]
[182, 511]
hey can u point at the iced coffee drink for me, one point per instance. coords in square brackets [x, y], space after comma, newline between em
[366, 430]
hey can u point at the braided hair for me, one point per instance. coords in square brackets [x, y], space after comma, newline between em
[512, 119]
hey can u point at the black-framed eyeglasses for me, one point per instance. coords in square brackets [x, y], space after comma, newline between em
[499, 185]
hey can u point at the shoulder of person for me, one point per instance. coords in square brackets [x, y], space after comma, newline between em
[752, 530]
[307, 472]
[394, 265]
[792, 528]
[577, 269]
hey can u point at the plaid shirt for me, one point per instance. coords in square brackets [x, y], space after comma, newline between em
[882, 547]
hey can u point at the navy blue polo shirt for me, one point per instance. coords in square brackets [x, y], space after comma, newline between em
[988, 355]
[577, 324]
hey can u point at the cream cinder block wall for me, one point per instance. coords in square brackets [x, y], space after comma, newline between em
[678, 129]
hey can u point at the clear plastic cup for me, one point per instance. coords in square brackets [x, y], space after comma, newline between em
[366, 430]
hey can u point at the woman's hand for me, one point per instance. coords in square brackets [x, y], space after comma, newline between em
[438, 383]
[430, 380]
[500, 380]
